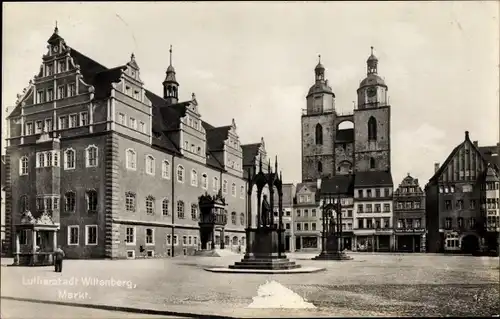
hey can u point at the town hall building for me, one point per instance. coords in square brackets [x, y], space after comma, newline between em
[117, 167]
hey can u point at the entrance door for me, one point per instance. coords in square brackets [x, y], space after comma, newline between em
[287, 243]
[348, 243]
[470, 244]
[297, 243]
[416, 247]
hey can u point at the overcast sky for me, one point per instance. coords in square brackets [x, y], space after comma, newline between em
[255, 62]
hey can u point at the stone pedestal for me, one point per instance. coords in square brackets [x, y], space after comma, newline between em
[263, 253]
[331, 251]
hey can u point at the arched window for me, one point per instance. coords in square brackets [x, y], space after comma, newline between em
[150, 165]
[320, 167]
[92, 201]
[242, 219]
[91, 154]
[233, 218]
[194, 212]
[319, 134]
[194, 178]
[204, 181]
[180, 209]
[372, 162]
[164, 207]
[69, 159]
[235, 241]
[69, 202]
[23, 166]
[180, 174]
[131, 159]
[23, 203]
[372, 129]
[150, 205]
[165, 169]
[226, 240]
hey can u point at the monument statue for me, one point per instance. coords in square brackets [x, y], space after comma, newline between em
[266, 209]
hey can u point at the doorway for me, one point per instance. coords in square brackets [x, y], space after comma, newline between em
[298, 246]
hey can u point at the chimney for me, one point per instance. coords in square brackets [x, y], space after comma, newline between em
[436, 167]
[318, 183]
[475, 143]
[466, 135]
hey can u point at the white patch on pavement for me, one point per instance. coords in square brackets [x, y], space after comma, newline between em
[274, 295]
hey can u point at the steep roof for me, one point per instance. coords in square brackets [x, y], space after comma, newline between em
[338, 184]
[311, 186]
[250, 151]
[490, 154]
[373, 178]
[450, 157]
[216, 137]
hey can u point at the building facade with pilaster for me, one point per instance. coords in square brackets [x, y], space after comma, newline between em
[119, 168]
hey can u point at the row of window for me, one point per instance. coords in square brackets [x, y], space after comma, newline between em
[459, 204]
[489, 186]
[62, 66]
[370, 224]
[367, 208]
[408, 205]
[492, 203]
[132, 123]
[51, 159]
[63, 91]
[51, 202]
[65, 122]
[150, 164]
[193, 149]
[74, 235]
[302, 226]
[362, 193]
[409, 189]
[409, 223]
[460, 222]
[493, 221]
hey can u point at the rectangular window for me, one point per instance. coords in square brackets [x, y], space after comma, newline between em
[460, 204]
[132, 123]
[84, 118]
[377, 192]
[313, 226]
[184, 240]
[130, 235]
[369, 223]
[49, 69]
[176, 240]
[29, 128]
[38, 127]
[298, 226]
[369, 208]
[62, 66]
[360, 208]
[50, 95]
[361, 223]
[63, 122]
[141, 127]
[313, 213]
[73, 121]
[73, 235]
[48, 125]
[169, 240]
[387, 208]
[150, 236]
[368, 193]
[447, 223]
[40, 96]
[61, 91]
[447, 204]
[130, 254]
[378, 208]
[71, 89]
[360, 193]
[306, 226]
[121, 118]
[287, 226]
[91, 235]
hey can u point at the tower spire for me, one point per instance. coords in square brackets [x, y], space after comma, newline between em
[170, 55]
[319, 58]
[371, 63]
[56, 29]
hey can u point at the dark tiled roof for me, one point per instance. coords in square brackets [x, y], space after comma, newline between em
[216, 137]
[338, 184]
[250, 151]
[366, 179]
[345, 135]
[102, 81]
[487, 152]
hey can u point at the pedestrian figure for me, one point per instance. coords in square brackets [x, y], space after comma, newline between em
[58, 259]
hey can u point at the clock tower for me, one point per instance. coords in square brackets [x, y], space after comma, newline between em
[372, 149]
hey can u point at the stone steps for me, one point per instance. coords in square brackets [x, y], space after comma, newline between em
[265, 263]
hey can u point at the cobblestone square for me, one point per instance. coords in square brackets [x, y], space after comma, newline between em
[369, 285]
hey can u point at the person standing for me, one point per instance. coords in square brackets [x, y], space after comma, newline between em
[58, 259]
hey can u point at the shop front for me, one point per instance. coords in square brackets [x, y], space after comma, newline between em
[410, 240]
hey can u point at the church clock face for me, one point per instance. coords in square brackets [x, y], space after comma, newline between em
[371, 92]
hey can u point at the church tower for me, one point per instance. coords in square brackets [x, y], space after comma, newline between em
[372, 149]
[318, 159]
[170, 85]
